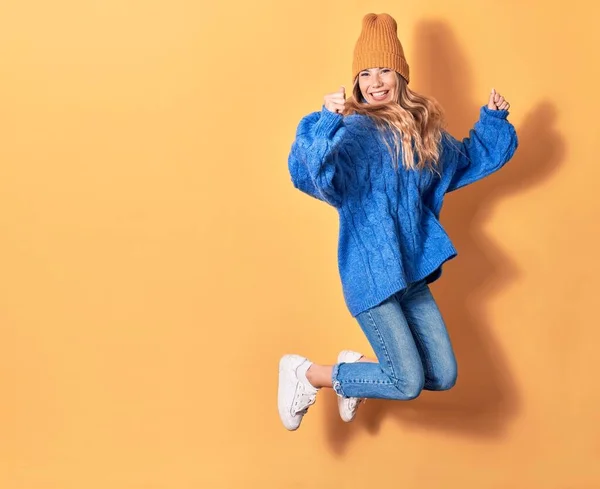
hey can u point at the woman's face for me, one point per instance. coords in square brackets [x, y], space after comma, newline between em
[378, 85]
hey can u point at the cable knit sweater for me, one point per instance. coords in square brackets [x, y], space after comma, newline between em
[389, 234]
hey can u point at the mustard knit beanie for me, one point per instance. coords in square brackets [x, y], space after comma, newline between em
[378, 46]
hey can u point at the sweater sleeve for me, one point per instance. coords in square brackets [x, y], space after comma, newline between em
[491, 143]
[313, 162]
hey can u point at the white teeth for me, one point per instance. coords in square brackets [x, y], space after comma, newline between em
[379, 94]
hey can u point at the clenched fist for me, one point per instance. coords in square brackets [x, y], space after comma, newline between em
[335, 102]
[497, 101]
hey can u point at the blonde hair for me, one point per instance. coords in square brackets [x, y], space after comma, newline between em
[412, 126]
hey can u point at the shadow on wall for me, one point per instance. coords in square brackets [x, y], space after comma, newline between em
[486, 396]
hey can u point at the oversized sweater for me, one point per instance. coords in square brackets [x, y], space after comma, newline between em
[389, 229]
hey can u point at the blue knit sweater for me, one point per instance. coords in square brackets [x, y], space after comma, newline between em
[390, 234]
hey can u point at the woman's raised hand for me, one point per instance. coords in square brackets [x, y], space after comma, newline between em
[335, 102]
[497, 101]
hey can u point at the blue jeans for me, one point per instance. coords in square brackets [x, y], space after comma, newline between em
[409, 338]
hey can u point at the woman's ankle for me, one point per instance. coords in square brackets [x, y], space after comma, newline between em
[319, 376]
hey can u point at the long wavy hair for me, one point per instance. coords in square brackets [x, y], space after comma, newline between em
[411, 127]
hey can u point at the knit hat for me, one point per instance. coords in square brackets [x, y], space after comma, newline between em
[378, 46]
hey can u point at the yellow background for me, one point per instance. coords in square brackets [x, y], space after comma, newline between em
[155, 260]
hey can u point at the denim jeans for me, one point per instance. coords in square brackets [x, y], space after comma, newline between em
[409, 338]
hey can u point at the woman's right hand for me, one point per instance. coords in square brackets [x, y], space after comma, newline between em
[335, 102]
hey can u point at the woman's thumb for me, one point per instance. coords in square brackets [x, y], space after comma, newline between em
[491, 104]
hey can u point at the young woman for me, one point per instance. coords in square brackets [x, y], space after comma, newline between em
[384, 161]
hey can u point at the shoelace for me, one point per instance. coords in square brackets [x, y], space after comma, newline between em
[353, 402]
[303, 400]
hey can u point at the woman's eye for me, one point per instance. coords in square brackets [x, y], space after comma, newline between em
[385, 70]
[364, 73]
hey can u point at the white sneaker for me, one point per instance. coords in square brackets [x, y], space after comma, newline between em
[295, 393]
[348, 405]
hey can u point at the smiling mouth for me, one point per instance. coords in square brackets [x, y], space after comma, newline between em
[379, 95]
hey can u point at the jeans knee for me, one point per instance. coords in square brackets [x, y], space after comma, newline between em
[443, 381]
[412, 391]
[409, 387]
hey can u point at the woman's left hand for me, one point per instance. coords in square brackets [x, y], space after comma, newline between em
[497, 101]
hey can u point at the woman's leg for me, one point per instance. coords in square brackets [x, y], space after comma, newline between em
[399, 373]
[431, 336]
[411, 342]
[320, 375]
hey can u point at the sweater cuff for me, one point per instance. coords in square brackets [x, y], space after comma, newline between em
[498, 114]
[328, 123]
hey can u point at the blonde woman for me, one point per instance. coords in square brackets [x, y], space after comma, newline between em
[384, 161]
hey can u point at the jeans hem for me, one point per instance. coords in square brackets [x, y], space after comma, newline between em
[336, 384]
